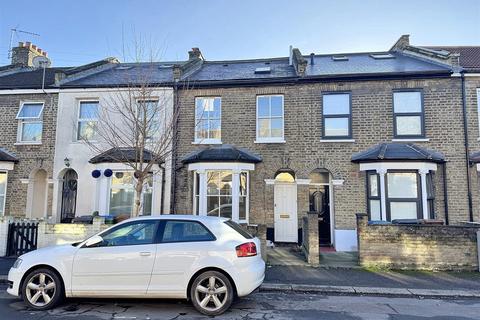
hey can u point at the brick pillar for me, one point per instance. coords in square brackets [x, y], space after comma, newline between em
[310, 241]
[362, 223]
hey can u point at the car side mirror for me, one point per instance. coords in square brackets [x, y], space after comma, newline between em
[93, 241]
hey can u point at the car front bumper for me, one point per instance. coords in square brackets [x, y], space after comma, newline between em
[14, 278]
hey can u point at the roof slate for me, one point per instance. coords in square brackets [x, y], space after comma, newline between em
[396, 152]
[119, 155]
[469, 56]
[7, 156]
[222, 153]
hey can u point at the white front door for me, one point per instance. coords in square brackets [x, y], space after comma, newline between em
[285, 212]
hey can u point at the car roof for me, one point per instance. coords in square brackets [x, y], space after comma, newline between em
[180, 217]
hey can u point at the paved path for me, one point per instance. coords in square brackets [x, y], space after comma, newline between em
[363, 278]
[257, 306]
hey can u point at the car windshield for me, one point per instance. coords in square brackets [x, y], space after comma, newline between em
[235, 226]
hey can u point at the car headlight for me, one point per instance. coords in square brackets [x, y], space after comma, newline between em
[17, 263]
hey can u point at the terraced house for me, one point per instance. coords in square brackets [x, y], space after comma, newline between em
[264, 141]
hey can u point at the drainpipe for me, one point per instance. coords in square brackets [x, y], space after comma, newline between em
[467, 150]
[445, 195]
[173, 183]
[162, 204]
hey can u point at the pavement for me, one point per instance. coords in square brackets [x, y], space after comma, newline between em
[260, 305]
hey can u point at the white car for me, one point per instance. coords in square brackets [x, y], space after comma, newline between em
[208, 260]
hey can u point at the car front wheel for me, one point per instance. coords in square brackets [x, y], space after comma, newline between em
[211, 293]
[42, 289]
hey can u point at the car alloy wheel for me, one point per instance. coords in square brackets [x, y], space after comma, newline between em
[40, 289]
[212, 293]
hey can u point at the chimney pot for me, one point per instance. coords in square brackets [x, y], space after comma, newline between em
[24, 54]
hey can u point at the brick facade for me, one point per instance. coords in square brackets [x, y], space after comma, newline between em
[303, 151]
[32, 157]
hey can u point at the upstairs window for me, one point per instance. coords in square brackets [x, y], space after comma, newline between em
[30, 122]
[270, 118]
[208, 120]
[408, 115]
[149, 111]
[87, 120]
[337, 116]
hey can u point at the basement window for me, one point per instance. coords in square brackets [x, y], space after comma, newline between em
[380, 56]
[263, 70]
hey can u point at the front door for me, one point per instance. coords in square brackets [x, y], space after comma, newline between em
[285, 212]
[69, 196]
[320, 203]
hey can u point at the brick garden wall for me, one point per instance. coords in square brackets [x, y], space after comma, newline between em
[419, 247]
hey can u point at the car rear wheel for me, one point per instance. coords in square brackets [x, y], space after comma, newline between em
[211, 293]
[42, 289]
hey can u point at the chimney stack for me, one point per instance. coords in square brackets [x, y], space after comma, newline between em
[22, 56]
[195, 54]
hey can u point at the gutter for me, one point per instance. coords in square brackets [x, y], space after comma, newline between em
[467, 149]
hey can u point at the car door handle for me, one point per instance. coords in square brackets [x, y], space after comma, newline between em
[145, 253]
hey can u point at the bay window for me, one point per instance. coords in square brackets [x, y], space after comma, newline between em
[408, 114]
[402, 196]
[30, 122]
[122, 194]
[221, 193]
[208, 119]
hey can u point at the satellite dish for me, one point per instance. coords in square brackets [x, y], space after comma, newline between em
[41, 62]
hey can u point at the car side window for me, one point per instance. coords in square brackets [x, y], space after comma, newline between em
[134, 233]
[185, 231]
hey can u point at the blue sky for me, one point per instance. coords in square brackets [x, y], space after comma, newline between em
[76, 32]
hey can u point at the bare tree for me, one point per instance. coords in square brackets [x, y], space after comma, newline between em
[135, 121]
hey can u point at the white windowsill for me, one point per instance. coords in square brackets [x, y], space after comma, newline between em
[207, 141]
[269, 141]
[338, 140]
[27, 143]
[411, 139]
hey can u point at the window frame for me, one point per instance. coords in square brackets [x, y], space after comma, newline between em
[207, 140]
[332, 116]
[370, 197]
[150, 138]
[31, 120]
[115, 228]
[77, 137]
[420, 114]
[418, 199]
[269, 139]
[196, 193]
[163, 223]
[109, 191]
[5, 193]
[478, 112]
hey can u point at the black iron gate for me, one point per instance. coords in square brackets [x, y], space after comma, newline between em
[22, 238]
